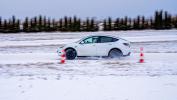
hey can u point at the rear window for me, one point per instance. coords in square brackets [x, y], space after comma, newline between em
[105, 39]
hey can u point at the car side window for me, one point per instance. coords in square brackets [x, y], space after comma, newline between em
[90, 40]
[95, 39]
[105, 39]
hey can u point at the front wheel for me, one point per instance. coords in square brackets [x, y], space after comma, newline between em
[71, 54]
[115, 53]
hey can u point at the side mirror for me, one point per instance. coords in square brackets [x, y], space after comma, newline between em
[82, 42]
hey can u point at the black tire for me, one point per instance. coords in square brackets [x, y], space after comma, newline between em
[115, 53]
[71, 54]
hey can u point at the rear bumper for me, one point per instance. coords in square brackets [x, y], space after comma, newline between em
[128, 54]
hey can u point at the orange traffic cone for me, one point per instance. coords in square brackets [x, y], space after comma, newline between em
[63, 57]
[141, 56]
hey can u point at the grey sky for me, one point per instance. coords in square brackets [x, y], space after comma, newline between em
[84, 8]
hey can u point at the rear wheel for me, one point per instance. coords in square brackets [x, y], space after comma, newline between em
[115, 53]
[71, 54]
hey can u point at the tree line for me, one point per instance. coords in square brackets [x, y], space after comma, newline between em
[160, 20]
[43, 24]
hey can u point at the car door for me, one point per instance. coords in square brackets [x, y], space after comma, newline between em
[87, 47]
[104, 45]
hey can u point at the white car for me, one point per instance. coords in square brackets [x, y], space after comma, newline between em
[97, 45]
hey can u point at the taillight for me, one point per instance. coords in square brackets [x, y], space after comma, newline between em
[126, 44]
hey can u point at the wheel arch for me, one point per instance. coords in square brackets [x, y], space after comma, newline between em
[116, 49]
[70, 48]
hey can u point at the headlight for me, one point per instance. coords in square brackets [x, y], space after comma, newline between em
[58, 50]
[61, 46]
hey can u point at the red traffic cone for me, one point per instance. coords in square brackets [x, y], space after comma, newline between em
[141, 60]
[63, 57]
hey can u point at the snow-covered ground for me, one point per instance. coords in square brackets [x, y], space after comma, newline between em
[30, 68]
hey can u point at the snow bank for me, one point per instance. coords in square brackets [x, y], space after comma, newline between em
[42, 39]
[160, 38]
[36, 42]
[66, 41]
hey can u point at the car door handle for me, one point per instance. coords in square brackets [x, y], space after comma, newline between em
[110, 44]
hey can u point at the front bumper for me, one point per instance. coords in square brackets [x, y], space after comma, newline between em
[59, 51]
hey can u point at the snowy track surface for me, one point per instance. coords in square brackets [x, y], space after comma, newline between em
[30, 68]
[38, 64]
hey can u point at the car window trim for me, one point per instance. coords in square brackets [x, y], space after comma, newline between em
[107, 37]
[87, 38]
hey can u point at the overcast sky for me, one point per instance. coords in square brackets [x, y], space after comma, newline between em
[84, 8]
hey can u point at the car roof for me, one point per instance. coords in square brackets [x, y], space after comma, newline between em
[96, 35]
[103, 35]
[113, 36]
[100, 35]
